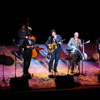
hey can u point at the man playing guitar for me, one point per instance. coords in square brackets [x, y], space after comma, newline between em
[54, 45]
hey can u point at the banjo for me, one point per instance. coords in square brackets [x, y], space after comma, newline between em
[84, 55]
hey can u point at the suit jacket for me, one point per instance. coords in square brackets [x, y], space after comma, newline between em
[26, 43]
[51, 40]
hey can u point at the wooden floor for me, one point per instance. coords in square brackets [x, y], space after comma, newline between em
[39, 68]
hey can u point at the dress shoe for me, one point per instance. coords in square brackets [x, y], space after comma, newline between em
[28, 76]
[71, 71]
[55, 70]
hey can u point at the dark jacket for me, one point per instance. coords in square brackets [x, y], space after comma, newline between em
[51, 40]
[26, 43]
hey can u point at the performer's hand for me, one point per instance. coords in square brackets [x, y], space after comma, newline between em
[50, 47]
[26, 37]
[29, 28]
[73, 47]
[27, 46]
[59, 43]
[32, 46]
[81, 45]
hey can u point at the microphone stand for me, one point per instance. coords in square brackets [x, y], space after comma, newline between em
[15, 58]
[82, 58]
[3, 70]
[15, 66]
[3, 75]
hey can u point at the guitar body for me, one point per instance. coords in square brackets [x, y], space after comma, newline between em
[35, 52]
[96, 56]
[53, 47]
[69, 55]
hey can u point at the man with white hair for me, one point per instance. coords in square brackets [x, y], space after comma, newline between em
[74, 44]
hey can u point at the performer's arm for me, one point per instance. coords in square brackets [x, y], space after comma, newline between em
[70, 43]
[48, 42]
[80, 44]
[60, 42]
[24, 43]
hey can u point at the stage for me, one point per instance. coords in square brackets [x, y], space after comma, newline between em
[39, 69]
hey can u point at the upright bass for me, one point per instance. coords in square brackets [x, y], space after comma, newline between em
[35, 50]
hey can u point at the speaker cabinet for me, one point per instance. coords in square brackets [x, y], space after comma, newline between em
[66, 81]
[19, 83]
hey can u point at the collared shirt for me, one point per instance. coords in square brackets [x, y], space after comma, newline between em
[74, 42]
[30, 42]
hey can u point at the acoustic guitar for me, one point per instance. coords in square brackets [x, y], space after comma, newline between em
[53, 46]
[96, 55]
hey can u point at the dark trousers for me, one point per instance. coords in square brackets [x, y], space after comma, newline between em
[27, 60]
[21, 41]
[21, 50]
[76, 57]
[54, 58]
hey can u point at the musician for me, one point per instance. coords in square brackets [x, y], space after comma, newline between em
[56, 53]
[74, 44]
[98, 45]
[28, 45]
[23, 32]
[29, 26]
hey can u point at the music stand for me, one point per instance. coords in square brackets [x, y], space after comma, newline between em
[3, 73]
[16, 55]
[5, 60]
[82, 67]
[3, 67]
[15, 66]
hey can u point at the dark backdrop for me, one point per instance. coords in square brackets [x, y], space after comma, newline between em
[64, 17]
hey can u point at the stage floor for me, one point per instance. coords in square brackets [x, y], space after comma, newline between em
[39, 68]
